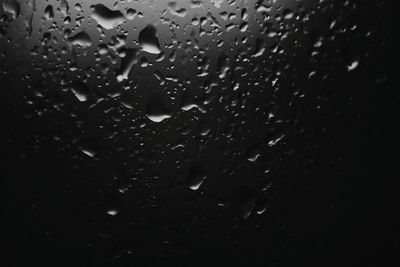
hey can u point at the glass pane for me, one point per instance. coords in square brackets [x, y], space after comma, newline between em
[198, 132]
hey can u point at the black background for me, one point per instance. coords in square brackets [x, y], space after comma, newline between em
[339, 215]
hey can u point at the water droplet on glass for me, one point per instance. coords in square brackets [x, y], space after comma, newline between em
[149, 41]
[105, 17]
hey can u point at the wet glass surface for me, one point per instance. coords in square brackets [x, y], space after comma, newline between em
[201, 132]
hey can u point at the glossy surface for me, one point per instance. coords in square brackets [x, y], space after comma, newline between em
[192, 132]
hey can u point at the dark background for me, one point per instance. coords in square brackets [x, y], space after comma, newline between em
[340, 210]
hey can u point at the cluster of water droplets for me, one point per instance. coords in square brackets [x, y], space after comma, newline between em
[178, 95]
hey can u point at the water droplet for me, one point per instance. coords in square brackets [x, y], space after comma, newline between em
[149, 41]
[12, 7]
[81, 39]
[106, 18]
[112, 212]
[48, 12]
[156, 110]
[127, 63]
[80, 90]
[197, 175]
[353, 65]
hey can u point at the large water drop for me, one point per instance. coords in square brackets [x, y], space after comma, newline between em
[149, 41]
